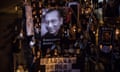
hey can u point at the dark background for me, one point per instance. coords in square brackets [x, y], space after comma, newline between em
[7, 21]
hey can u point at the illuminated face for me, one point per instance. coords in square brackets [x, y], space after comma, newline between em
[53, 21]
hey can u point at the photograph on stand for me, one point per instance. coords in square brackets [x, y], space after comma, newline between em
[51, 26]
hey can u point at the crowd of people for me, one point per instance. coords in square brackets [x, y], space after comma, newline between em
[66, 29]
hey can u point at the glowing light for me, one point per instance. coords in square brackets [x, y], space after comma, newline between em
[94, 32]
[21, 34]
[74, 30]
[110, 46]
[16, 8]
[117, 31]
[101, 46]
[34, 12]
[32, 43]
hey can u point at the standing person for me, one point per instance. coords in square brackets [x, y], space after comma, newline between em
[36, 62]
[53, 23]
[29, 33]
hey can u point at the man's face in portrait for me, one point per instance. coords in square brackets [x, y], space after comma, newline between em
[53, 21]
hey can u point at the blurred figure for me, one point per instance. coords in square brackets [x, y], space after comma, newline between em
[36, 62]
